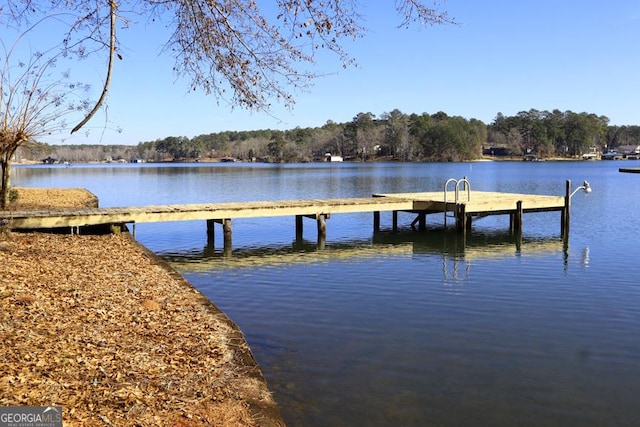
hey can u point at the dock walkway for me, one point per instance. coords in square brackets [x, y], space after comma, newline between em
[461, 206]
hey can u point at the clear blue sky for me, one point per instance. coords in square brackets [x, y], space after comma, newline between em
[504, 56]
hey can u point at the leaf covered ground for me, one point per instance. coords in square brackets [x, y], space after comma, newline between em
[100, 326]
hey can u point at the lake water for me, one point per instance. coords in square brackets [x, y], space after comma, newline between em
[413, 328]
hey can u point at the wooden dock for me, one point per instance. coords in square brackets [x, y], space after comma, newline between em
[629, 170]
[476, 204]
[459, 205]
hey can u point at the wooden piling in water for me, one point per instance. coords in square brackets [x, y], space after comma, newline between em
[211, 231]
[322, 225]
[299, 226]
[226, 230]
[461, 218]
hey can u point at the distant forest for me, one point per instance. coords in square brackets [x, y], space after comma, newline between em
[391, 136]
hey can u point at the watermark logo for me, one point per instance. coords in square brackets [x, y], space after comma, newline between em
[30, 416]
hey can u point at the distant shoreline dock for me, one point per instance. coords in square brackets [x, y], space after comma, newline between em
[461, 204]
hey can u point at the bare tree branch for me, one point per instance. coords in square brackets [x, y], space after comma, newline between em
[107, 80]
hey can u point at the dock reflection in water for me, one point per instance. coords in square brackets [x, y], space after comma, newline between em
[457, 250]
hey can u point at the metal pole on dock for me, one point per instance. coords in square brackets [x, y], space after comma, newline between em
[566, 216]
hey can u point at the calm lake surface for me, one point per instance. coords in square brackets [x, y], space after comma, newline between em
[413, 328]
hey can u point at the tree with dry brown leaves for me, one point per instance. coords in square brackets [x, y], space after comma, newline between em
[240, 51]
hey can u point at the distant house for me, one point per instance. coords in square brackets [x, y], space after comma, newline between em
[331, 158]
[593, 154]
[495, 151]
[629, 151]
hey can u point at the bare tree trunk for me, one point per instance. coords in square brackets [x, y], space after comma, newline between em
[5, 164]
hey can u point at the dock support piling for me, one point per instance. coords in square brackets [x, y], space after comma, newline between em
[376, 221]
[395, 221]
[322, 226]
[226, 230]
[461, 218]
[517, 220]
[299, 227]
[211, 231]
[421, 220]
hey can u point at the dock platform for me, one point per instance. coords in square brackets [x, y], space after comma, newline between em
[629, 170]
[476, 204]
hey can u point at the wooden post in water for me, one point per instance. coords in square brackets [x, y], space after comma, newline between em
[299, 227]
[211, 231]
[226, 230]
[566, 216]
[322, 225]
[376, 221]
[422, 222]
[517, 221]
[395, 221]
[461, 218]
[322, 230]
[518, 225]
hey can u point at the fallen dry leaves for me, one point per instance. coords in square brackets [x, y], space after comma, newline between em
[38, 198]
[100, 326]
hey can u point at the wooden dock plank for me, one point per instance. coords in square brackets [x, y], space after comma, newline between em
[480, 202]
[218, 211]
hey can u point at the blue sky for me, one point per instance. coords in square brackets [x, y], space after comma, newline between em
[504, 56]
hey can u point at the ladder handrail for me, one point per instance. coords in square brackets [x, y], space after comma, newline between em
[465, 181]
[467, 186]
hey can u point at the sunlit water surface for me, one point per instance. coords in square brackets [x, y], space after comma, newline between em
[407, 328]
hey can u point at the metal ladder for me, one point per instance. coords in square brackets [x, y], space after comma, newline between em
[467, 186]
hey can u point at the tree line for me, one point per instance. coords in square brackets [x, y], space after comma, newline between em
[390, 136]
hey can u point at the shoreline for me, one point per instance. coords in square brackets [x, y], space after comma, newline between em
[105, 328]
[264, 410]
[484, 158]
